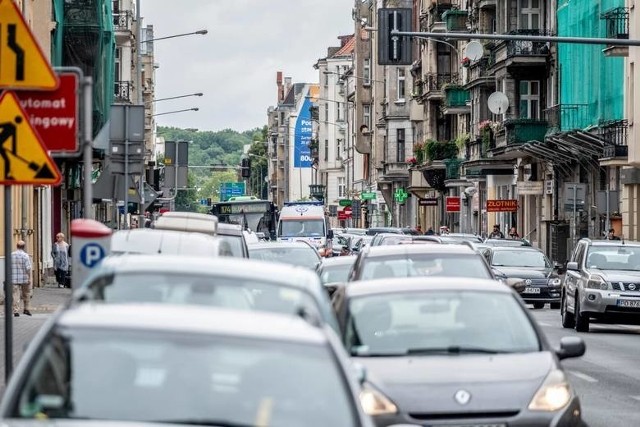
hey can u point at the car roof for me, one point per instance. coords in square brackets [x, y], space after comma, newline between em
[157, 241]
[215, 267]
[413, 284]
[375, 251]
[614, 243]
[226, 229]
[271, 245]
[190, 319]
[513, 248]
[338, 260]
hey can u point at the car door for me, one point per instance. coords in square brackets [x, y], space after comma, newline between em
[572, 277]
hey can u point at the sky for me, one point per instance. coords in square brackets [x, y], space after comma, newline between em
[235, 64]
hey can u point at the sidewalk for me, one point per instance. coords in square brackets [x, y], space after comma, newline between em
[45, 299]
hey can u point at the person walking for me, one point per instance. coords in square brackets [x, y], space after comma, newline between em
[513, 233]
[430, 231]
[612, 235]
[60, 255]
[496, 233]
[21, 278]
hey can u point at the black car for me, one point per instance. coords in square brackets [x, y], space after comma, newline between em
[531, 265]
[454, 352]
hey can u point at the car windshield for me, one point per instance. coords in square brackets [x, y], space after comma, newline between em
[516, 258]
[302, 228]
[614, 257]
[235, 243]
[335, 273]
[453, 239]
[435, 264]
[222, 291]
[304, 257]
[437, 322]
[170, 377]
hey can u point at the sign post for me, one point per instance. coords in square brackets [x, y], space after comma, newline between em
[91, 243]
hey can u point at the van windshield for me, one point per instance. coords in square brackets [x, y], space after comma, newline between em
[301, 228]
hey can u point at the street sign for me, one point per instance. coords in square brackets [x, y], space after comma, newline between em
[343, 216]
[509, 205]
[54, 114]
[368, 195]
[25, 160]
[429, 201]
[530, 188]
[344, 202]
[347, 212]
[400, 195]
[22, 63]
[231, 189]
[452, 204]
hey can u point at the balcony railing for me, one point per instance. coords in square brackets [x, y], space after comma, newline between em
[435, 82]
[565, 117]
[455, 20]
[615, 135]
[520, 131]
[456, 96]
[617, 21]
[452, 168]
[528, 48]
[123, 21]
[122, 91]
[437, 10]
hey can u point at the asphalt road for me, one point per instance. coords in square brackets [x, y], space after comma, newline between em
[607, 377]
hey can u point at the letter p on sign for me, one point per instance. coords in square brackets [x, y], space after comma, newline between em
[91, 254]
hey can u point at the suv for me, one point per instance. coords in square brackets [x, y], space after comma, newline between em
[602, 282]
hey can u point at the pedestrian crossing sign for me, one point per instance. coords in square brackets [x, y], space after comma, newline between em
[22, 63]
[23, 156]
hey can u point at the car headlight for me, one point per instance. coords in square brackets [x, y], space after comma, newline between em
[374, 402]
[597, 282]
[555, 281]
[553, 394]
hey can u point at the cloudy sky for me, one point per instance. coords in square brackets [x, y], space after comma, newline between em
[235, 64]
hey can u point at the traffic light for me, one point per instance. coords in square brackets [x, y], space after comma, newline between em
[394, 50]
[245, 165]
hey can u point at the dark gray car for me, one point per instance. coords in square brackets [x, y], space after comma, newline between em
[452, 351]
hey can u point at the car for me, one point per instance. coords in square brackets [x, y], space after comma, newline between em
[454, 352]
[298, 253]
[386, 239]
[167, 242]
[223, 282]
[601, 283]
[531, 265]
[187, 221]
[234, 235]
[184, 365]
[461, 238]
[506, 242]
[335, 269]
[375, 230]
[377, 262]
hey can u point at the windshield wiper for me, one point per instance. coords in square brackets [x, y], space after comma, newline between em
[454, 349]
[204, 422]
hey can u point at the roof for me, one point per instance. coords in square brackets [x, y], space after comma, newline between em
[420, 284]
[338, 260]
[215, 267]
[272, 245]
[190, 319]
[375, 251]
[347, 48]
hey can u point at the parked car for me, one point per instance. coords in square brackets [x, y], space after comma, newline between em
[298, 253]
[506, 242]
[183, 365]
[375, 230]
[532, 265]
[234, 235]
[335, 269]
[168, 242]
[602, 283]
[223, 282]
[455, 351]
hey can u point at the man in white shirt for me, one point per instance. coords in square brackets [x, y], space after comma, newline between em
[21, 278]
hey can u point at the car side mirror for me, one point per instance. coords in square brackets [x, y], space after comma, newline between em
[571, 347]
[330, 234]
[573, 266]
[516, 284]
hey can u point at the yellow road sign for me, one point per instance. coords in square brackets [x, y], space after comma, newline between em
[23, 156]
[22, 63]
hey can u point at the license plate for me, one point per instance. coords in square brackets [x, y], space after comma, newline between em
[531, 291]
[629, 303]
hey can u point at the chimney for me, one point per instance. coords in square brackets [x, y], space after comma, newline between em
[287, 84]
[279, 84]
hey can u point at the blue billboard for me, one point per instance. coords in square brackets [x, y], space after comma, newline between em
[302, 137]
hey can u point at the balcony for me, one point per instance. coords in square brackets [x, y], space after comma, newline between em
[566, 117]
[452, 168]
[434, 83]
[435, 20]
[614, 134]
[456, 100]
[317, 191]
[122, 91]
[523, 59]
[395, 171]
[479, 74]
[520, 131]
[455, 20]
[617, 22]
[123, 22]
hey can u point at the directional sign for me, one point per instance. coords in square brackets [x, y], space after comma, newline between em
[22, 63]
[23, 156]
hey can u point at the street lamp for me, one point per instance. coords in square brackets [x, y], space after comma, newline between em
[176, 111]
[175, 97]
[346, 76]
[199, 32]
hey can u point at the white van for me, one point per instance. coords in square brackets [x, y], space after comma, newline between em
[187, 221]
[305, 221]
[168, 242]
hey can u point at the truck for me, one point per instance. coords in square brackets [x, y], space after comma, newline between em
[306, 221]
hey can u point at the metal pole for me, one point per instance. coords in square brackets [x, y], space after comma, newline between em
[608, 219]
[126, 167]
[141, 102]
[8, 287]
[87, 136]
[175, 175]
[575, 227]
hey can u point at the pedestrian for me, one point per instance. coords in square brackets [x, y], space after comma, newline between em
[60, 255]
[430, 231]
[419, 229]
[513, 233]
[496, 233]
[612, 235]
[21, 278]
[444, 230]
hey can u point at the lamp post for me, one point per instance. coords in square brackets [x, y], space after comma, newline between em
[176, 111]
[174, 97]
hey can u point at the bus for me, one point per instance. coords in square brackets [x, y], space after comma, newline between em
[259, 216]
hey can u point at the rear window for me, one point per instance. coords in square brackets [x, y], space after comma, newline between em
[457, 265]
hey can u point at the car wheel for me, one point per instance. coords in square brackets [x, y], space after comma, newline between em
[582, 320]
[554, 305]
[538, 305]
[568, 320]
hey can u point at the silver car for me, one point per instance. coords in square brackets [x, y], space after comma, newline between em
[183, 365]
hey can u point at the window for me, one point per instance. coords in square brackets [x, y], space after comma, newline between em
[326, 80]
[339, 115]
[366, 115]
[401, 143]
[326, 112]
[342, 187]
[529, 99]
[630, 91]
[338, 148]
[326, 150]
[401, 85]
[530, 14]
[366, 72]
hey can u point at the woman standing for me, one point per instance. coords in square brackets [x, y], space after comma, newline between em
[60, 254]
